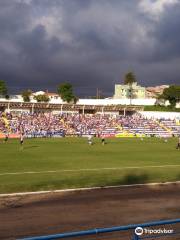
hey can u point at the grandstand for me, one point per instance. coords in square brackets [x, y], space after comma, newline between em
[107, 117]
[109, 125]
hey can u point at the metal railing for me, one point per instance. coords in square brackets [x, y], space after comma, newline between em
[140, 231]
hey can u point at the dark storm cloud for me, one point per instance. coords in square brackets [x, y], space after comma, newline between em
[167, 33]
[88, 43]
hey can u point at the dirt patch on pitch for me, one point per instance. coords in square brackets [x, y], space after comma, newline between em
[60, 212]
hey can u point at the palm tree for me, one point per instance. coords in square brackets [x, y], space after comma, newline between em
[129, 79]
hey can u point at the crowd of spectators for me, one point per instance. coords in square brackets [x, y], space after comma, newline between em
[48, 124]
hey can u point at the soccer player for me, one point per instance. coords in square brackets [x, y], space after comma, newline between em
[6, 137]
[103, 140]
[21, 140]
[165, 139]
[141, 136]
[90, 140]
[178, 144]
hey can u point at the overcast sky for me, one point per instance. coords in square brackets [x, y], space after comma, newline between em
[89, 43]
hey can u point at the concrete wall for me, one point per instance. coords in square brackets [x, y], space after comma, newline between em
[159, 115]
[145, 102]
[141, 102]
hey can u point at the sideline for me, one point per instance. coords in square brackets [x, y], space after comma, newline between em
[86, 169]
[86, 189]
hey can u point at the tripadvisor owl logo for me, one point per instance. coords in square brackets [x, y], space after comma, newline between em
[139, 231]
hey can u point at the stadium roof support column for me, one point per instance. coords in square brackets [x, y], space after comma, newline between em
[61, 108]
[124, 111]
[8, 107]
[83, 110]
[102, 110]
[33, 108]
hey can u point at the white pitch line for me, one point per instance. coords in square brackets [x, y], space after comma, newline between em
[88, 189]
[85, 169]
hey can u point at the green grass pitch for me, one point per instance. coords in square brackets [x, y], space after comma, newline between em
[48, 164]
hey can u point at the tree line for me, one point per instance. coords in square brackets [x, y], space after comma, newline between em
[65, 91]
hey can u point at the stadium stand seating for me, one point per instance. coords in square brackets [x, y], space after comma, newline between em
[48, 125]
[172, 125]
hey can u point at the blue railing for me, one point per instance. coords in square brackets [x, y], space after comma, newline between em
[114, 229]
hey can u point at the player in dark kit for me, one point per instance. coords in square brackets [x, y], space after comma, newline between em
[6, 137]
[21, 140]
[178, 145]
[103, 140]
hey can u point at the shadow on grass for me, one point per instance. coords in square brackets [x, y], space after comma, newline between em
[80, 182]
[178, 177]
[28, 147]
[132, 179]
[128, 179]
